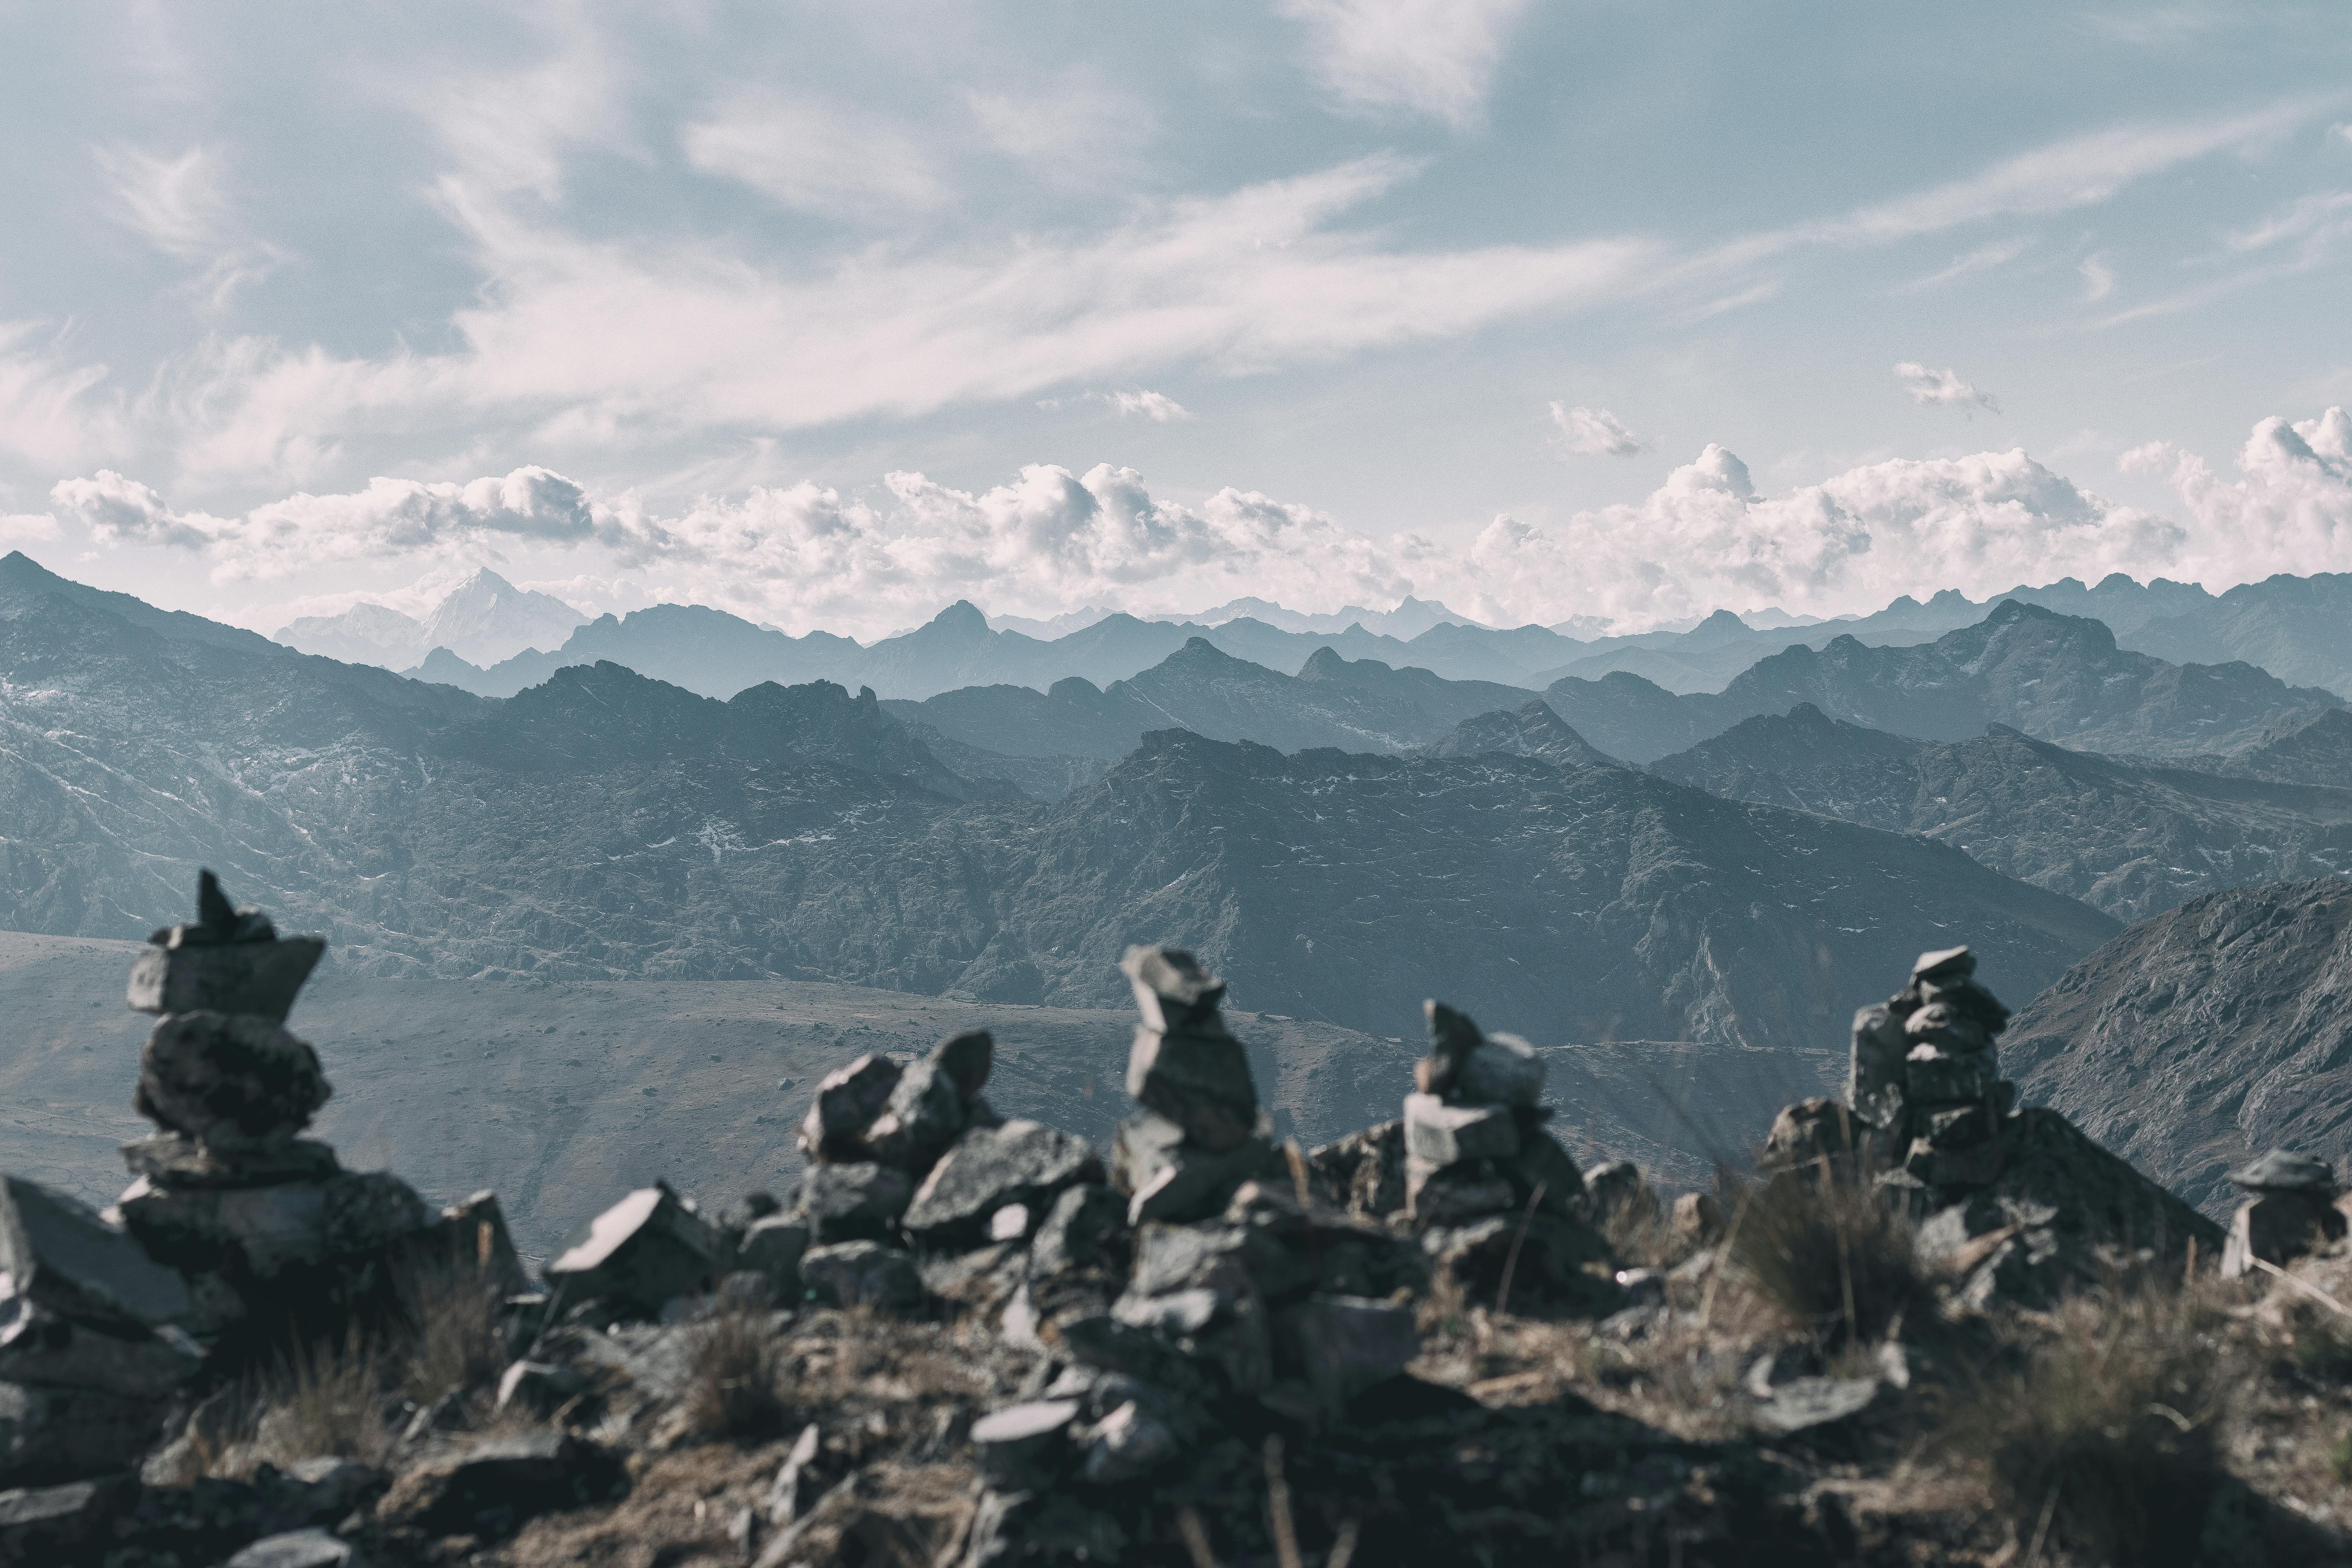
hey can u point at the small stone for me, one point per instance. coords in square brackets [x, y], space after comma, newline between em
[1810, 1134]
[772, 1247]
[925, 1113]
[1343, 1346]
[491, 1488]
[1946, 963]
[172, 1159]
[1444, 1134]
[1930, 1077]
[1086, 1229]
[59, 1523]
[259, 979]
[1027, 1445]
[1808, 1404]
[1010, 1223]
[40, 1348]
[1699, 1217]
[1618, 1194]
[1201, 1083]
[1021, 1161]
[1541, 1164]
[2279, 1226]
[1452, 1194]
[1128, 1445]
[67, 1434]
[967, 1059]
[231, 1081]
[1173, 991]
[1195, 1183]
[58, 1253]
[861, 1273]
[1364, 1171]
[2281, 1171]
[539, 1387]
[1504, 1069]
[859, 1201]
[794, 1488]
[475, 1238]
[298, 1548]
[643, 1252]
[847, 1102]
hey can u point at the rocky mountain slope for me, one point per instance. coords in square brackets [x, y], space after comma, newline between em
[1532, 730]
[2057, 677]
[2130, 839]
[605, 825]
[484, 620]
[2229, 1021]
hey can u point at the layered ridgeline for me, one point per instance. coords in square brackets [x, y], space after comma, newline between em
[2230, 1020]
[607, 825]
[2131, 838]
[2299, 629]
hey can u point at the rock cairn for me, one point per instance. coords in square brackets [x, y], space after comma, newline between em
[2292, 1209]
[1926, 1078]
[229, 1192]
[1200, 1133]
[2018, 1204]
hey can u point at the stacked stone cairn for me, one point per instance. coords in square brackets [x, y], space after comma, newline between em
[1487, 1187]
[2294, 1206]
[2019, 1204]
[237, 1238]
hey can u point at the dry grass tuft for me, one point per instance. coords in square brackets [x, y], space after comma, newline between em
[736, 1368]
[324, 1399]
[2100, 1440]
[449, 1329]
[1827, 1252]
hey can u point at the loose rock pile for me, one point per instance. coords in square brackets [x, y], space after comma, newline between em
[2296, 1208]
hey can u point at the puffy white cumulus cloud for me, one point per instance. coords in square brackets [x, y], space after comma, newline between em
[390, 518]
[1941, 386]
[1705, 539]
[2289, 511]
[26, 528]
[1593, 433]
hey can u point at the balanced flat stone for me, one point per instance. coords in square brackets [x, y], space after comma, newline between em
[2281, 1171]
[1446, 1135]
[646, 1251]
[231, 1081]
[1021, 1161]
[61, 1254]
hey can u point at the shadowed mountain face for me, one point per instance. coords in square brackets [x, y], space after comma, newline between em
[605, 825]
[1361, 705]
[2053, 677]
[1531, 730]
[2130, 839]
[2229, 1021]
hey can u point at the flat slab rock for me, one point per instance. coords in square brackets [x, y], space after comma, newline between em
[298, 1548]
[989, 1167]
[1808, 1404]
[494, 1486]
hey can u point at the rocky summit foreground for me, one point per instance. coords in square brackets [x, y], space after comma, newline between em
[1928, 1327]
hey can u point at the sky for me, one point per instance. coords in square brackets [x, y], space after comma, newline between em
[832, 315]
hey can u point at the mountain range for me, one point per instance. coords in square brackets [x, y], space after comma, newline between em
[484, 620]
[607, 825]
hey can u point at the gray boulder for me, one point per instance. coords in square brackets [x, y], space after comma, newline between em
[862, 1274]
[772, 1248]
[265, 1231]
[231, 1081]
[68, 1434]
[644, 1251]
[847, 1102]
[1444, 1134]
[858, 1202]
[924, 1114]
[1019, 1163]
[298, 1548]
[494, 1486]
[59, 1523]
[58, 1253]
[39, 1348]
[1086, 1229]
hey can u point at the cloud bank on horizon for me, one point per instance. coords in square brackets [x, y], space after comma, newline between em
[807, 556]
[761, 305]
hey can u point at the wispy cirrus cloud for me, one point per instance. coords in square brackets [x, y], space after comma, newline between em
[1435, 57]
[181, 206]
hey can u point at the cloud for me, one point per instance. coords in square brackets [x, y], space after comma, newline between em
[689, 341]
[1155, 406]
[1983, 258]
[1593, 433]
[1941, 386]
[1071, 127]
[181, 207]
[2289, 511]
[815, 157]
[2322, 215]
[390, 519]
[51, 413]
[2098, 278]
[26, 528]
[1435, 57]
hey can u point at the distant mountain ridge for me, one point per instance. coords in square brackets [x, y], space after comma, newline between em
[2058, 678]
[484, 620]
[2133, 839]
